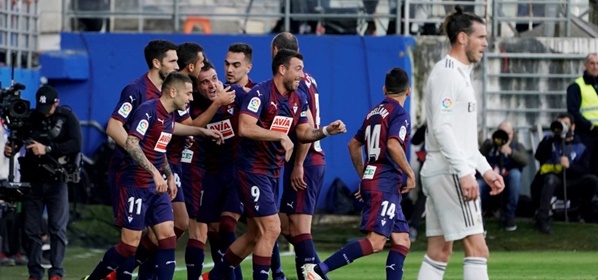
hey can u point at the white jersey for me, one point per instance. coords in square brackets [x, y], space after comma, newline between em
[452, 134]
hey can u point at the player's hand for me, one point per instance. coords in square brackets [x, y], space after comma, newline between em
[225, 96]
[336, 127]
[565, 162]
[172, 189]
[215, 135]
[189, 140]
[37, 148]
[469, 187]
[410, 184]
[358, 194]
[161, 185]
[297, 182]
[288, 145]
[495, 181]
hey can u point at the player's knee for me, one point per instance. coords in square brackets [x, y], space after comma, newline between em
[377, 241]
[401, 239]
[440, 253]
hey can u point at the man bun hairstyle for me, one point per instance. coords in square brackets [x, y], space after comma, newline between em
[458, 22]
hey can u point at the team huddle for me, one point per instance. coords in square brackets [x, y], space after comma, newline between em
[196, 154]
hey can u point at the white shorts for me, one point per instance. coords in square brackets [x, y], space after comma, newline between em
[447, 214]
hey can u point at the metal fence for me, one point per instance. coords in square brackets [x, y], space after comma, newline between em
[412, 17]
[19, 32]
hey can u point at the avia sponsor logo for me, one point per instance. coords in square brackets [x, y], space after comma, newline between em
[281, 124]
[163, 142]
[225, 127]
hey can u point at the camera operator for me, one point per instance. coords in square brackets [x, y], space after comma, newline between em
[560, 153]
[54, 140]
[508, 157]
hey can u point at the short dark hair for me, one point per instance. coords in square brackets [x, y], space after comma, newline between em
[397, 81]
[246, 49]
[283, 57]
[207, 65]
[285, 40]
[187, 53]
[175, 79]
[458, 22]
[566, 115]
[156, 49]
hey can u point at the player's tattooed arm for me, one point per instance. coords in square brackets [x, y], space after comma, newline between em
[166, 168]
[356, 156]
[132, 147]
[318, 133]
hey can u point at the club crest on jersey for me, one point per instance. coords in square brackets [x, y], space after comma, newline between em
[295, 107]
[142, 127]
[254, 104]
[446, 104]
[125, 109]
[224, 127]
[369, 172]
[403, 133]
[163, 142]
[281, 124]
[231, 110]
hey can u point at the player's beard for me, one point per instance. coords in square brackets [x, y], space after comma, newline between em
[289, 85]
[471, 56]
[162, 75]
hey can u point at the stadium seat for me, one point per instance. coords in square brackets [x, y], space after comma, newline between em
[192, 22]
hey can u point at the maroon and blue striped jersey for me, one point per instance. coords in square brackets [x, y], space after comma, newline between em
[385, 121]
[153, 125]
[274, 112]
[131, 97]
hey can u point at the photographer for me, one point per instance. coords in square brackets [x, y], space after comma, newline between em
[562, 153]
[52, 138]
[507, 157]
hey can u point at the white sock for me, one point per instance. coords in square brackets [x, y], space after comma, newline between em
[431, 269]
[475, 268]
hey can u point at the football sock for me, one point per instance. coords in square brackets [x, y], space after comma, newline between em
[431, 269]
[214, 239]
[165, 258]
[261, 267]
[347, 255]
[229, 262]
[394, 262]
[305, 252]
[275, 264]
[112, 259]
[227, 229]
[475, 268]
[194, 257]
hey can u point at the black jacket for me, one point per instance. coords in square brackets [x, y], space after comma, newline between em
[60, 131]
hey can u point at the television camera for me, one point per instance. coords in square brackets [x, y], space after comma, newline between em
[15, 113]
